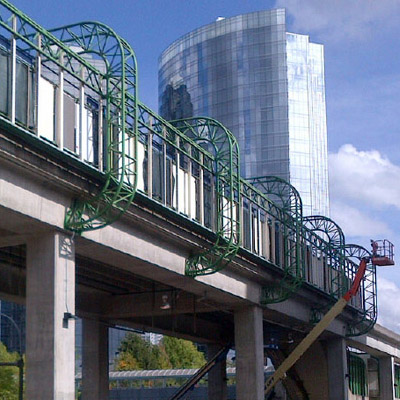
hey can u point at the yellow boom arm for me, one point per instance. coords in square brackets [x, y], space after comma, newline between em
[317, 330]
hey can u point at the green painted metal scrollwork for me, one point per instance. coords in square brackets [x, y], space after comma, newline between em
[118, 86]
[221, 143]
[365, 301]
[288, 199]
[114, 83]
[282, 193]
[332, 244]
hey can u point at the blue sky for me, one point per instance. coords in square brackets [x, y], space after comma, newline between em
[362, 72]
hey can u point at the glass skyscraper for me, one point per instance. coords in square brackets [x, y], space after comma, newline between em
[266, 85]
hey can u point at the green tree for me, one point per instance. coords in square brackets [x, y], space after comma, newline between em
[8, 375]
[127, 362]
[136, 353]
[182, 353]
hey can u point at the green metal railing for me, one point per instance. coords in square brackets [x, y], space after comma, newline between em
[222, 144]
[66, 48]
[282, 193]
[288, 198]
[332, 248]
[365, 301]
[138, 150]
[118, 86]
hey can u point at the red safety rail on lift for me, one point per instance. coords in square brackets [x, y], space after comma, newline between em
[382, 253]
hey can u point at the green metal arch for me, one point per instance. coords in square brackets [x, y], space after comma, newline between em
[120, 95]
[282, 192]
[334, 248]
[222, 144]
[368, 291]
[333, 232]
[288, 199]
[356, 252]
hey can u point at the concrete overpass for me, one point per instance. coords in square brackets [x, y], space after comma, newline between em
[107, 212]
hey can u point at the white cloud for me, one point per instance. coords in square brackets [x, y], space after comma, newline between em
[355, 223]
[364, 176]
[388, 297]
[342, 19]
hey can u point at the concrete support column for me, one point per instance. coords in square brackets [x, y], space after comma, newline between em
[249, 354]
[337, 369]
[50, 335]
[386, 378]
[217, 385]
[94, 360]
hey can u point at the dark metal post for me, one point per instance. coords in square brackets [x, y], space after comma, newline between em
[21, 378]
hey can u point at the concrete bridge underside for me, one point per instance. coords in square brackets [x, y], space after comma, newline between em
[118, 276]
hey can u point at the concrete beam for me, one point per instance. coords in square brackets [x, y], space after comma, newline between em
[12, 240]
[150, 304]
[12, 283]
[143, 242]
[188, 327]
[89, 303]
[379, 342]
[50, 337]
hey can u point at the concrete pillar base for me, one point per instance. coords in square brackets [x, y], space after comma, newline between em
[50, 334]
[249, 354]
[337, 369]
[386, 378]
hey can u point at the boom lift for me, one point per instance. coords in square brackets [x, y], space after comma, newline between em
[382, 255]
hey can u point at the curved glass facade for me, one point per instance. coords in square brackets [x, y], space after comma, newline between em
[266, 86]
